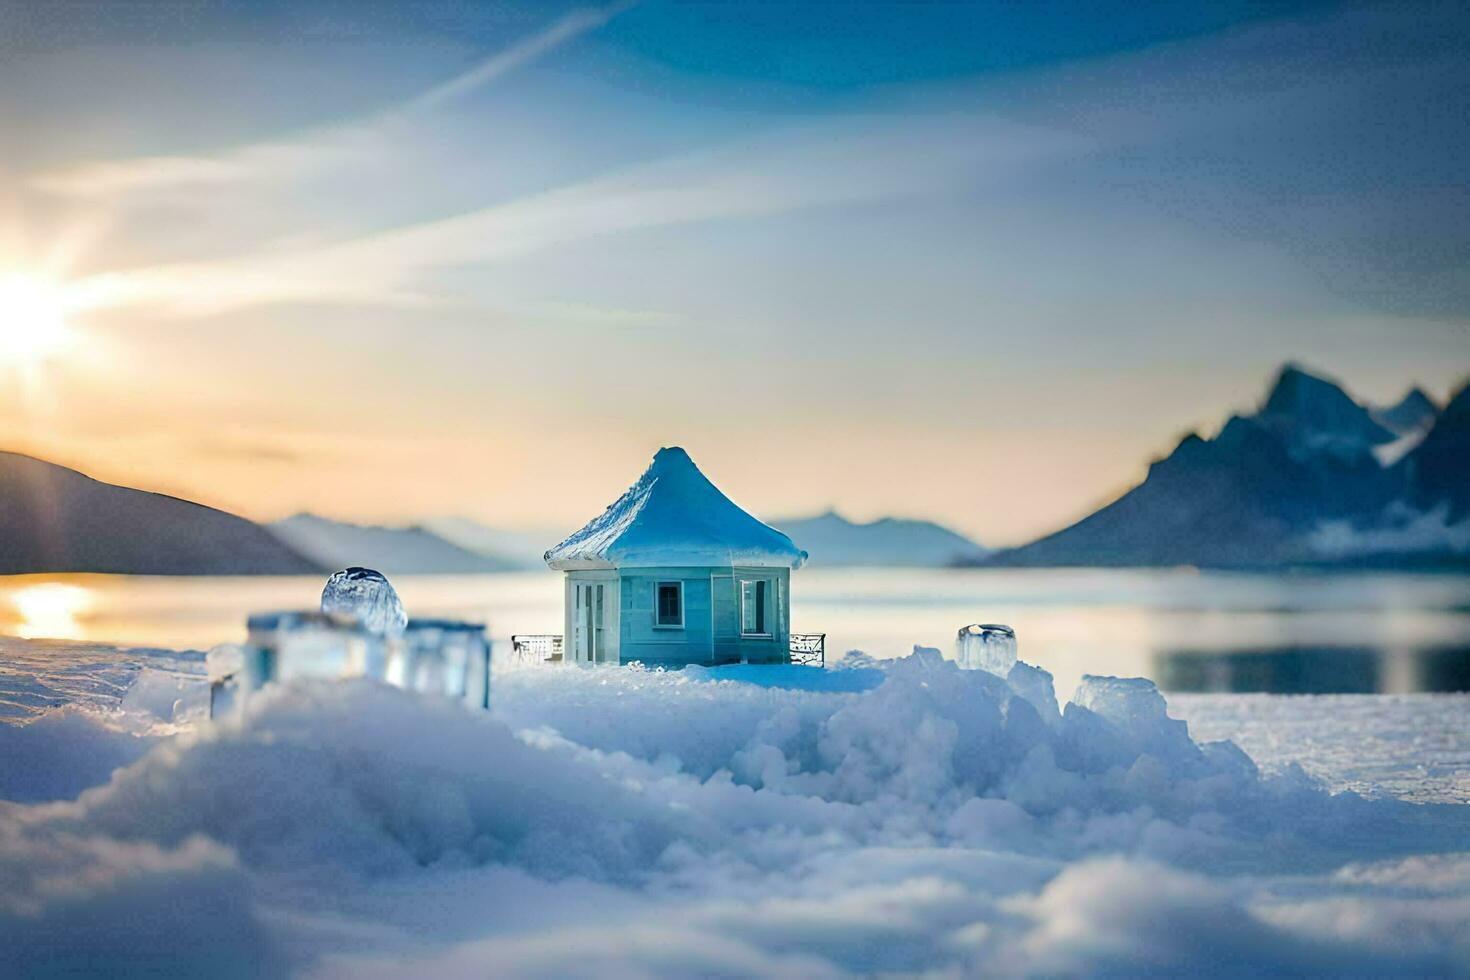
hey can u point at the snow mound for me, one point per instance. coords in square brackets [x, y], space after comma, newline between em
[632, 822]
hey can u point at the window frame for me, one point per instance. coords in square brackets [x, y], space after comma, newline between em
[658, 587]
[763, 608]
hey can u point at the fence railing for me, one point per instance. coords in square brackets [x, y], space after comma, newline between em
[809, 649]
[536, 648]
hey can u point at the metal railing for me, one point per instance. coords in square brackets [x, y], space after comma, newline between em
[537, 648]
[809, 649]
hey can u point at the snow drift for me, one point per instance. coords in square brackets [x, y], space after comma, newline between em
[903, 816]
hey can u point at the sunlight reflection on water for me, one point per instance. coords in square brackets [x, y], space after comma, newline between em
[50, 610]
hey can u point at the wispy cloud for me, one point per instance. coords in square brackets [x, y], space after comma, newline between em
[316, 148]
[573, 25]
[850, 161]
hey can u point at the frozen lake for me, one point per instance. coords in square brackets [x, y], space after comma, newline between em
[1191, 631]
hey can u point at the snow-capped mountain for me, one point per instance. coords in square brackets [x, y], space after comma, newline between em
[1298, 482]
[54, 519]
[831, 540]
[391, 550]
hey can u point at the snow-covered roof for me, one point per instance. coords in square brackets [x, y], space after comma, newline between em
[674, 516]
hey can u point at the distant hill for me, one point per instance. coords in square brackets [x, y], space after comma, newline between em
[831, 540]
[390, 550]
[54, 519]
[1300, 481]
[522, 549]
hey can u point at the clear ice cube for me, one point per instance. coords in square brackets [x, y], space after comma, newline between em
[364, 595]
[987, 646]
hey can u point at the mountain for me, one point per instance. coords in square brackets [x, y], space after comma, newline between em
[1415, 412]
[54, 519]
[390, 550]
[522, 549]
[1437, 471]
[1410, 420]
[832, 540]
[1312, 416]
[1256, 495]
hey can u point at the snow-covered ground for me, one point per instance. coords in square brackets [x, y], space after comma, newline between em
[898, 816]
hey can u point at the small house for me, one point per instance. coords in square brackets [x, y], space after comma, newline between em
[674, 573]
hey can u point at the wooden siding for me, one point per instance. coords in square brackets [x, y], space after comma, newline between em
[711, 631]
[730, 645]
[665, 646]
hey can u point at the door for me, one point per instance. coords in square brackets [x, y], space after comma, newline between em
[591, 621]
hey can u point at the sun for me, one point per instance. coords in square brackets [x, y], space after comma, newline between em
[33, 324]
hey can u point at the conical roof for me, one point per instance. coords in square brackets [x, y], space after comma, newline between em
[674, 516]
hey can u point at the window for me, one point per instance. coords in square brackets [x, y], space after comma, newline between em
[669, 605]
[753, 608]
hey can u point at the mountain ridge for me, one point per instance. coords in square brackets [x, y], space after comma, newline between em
[57, 519]
[1262, 491]
[833, 541]
[410, 550]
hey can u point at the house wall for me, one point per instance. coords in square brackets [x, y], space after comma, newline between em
[730, 646]
[659, 646]
[711, 631]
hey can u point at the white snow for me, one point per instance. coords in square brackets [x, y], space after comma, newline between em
[901, 816]
[1390, 453]
[674, 516]
[1403, 531]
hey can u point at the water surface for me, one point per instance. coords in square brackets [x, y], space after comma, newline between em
[1192, 631]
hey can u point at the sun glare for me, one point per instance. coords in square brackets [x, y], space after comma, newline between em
[51, 610]
[32, 319]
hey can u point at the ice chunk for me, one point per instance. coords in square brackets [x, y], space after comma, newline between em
[1127, 702]
[1134, 706]
[433, 656]
[234, 671]
[165, 696]
[987, 646]
[225, 661]
[444, 656]
[288, 645]
[307, 644]
[1035, 685]
[365, 595]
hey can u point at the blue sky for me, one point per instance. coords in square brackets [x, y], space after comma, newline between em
[972, 262]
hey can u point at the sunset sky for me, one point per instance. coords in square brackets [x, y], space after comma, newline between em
[977, 263]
